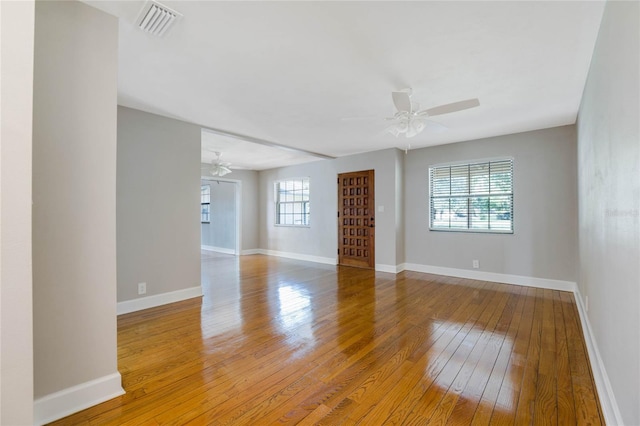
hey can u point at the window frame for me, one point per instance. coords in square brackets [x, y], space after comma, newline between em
[204, 203]
[278, 203]
[469, 195]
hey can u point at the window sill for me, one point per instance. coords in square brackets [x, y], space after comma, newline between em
[472, 231]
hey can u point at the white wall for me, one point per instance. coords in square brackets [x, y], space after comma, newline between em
[158, 208]
[248, 204]
[220, 232]
[16, 311]
[609, 208]
[320, 238]
[544, 241]
[74, 202]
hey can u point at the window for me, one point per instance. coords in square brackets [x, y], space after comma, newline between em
[476, 197]
[292, 202]
[205, 203]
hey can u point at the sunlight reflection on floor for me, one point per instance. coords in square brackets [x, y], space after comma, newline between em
[295, 314]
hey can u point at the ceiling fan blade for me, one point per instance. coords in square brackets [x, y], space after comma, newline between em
[402, 101]
[399, 116]
[359, 118]
[219, 170]
[453, 107]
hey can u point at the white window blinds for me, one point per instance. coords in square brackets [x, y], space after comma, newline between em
[476, 197]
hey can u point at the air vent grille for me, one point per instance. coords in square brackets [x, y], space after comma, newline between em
[157, 18]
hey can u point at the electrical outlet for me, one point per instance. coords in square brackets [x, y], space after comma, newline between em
[476, 264]
[142, 288]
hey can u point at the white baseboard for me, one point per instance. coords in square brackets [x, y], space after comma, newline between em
[218, 249]
[610, 409]
[249, 252]
[381, 267]
[298, 256]
[494, 277]
[318, 259]
[76, 398]
[158, 300]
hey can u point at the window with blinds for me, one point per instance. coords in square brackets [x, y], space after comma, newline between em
[292, 202]
[475, 197]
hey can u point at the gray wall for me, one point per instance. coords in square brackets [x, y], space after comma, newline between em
[545, 207]
[158, 190]
[609, 211]
[221, 230]
[248, 204]
[74, 195]
[16, 310]
[399, 206]
[316, 240]
[320, 238]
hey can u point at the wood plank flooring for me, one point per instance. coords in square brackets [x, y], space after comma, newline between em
[281, 341]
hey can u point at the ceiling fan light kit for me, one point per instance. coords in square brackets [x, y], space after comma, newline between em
[218, 167]
[409, 125]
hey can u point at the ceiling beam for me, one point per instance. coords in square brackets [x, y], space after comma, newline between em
[266, 143]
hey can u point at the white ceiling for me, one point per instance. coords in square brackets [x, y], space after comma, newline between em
[289, 72]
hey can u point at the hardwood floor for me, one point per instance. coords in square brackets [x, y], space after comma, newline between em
[283, 341]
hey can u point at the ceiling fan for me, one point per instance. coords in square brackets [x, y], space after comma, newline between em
[410, 120]
[219, 167]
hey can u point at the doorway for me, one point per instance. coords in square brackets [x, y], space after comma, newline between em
[220, 215]
[356, 219]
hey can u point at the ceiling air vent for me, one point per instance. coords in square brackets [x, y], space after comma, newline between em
[156, 18]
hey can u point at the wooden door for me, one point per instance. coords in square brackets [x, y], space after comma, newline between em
[356, 219]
